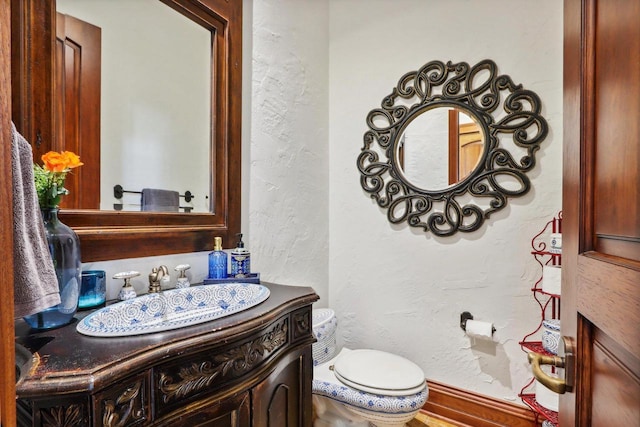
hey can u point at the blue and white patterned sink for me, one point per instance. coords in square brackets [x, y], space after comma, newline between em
[172, 309]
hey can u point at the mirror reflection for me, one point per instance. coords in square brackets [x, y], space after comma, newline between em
[151, 103]
[440, 147]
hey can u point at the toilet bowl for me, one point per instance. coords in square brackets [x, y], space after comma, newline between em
[361, 387]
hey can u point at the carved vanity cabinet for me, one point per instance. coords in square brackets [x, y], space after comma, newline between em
[253, 368]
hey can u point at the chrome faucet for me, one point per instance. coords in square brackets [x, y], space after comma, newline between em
[155, 277]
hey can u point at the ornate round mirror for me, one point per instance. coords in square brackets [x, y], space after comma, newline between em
[450, 145]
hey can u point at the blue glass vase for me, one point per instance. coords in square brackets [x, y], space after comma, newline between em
[64, 247]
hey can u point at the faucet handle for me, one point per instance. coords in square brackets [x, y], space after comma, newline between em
[127, 291]
[126, 275]
[181, 269]
[183, 281]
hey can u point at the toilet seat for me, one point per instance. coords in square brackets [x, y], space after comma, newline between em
[378, 372]
[326, 384]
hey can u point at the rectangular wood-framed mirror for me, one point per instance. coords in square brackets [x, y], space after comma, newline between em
[104, 234]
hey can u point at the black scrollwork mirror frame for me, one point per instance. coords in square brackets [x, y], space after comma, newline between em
[510, 118]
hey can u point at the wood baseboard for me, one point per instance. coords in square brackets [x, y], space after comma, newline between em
[464, 408]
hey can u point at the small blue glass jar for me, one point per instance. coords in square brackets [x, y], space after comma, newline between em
[93, 289]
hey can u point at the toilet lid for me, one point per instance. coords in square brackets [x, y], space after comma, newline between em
[379, 372]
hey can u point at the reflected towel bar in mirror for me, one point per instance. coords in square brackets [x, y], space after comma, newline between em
[118, 193]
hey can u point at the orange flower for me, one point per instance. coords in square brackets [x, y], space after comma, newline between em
[60, 162]
[53, 161]
[49, 178]
[73, 160]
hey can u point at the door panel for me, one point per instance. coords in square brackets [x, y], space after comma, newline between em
[283, 398]
[616, 35]
[613, 385]
[276, 399]
[608, 297]
[601, 207]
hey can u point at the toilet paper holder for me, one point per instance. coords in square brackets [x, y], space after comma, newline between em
[464, 316]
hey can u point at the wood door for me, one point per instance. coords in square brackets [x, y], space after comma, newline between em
[465, 147]
[77, 106]
[601, 211]
[7, 343]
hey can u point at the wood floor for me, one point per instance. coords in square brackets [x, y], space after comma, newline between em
[424, 420]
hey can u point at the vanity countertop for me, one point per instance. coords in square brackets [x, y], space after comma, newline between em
[66, 362]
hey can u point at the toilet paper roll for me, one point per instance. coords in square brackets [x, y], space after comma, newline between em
[547, 398]
[551, 282]
[478, 329]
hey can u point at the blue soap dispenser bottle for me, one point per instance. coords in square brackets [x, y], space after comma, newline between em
[240, 260]
[217, 261]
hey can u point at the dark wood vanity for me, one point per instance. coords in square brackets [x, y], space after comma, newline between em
[253, 368]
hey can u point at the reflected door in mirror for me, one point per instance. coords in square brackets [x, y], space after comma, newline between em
[466, 145]
[440, 147]
[77, 106]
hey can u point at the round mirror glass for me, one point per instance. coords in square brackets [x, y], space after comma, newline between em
[439, 148]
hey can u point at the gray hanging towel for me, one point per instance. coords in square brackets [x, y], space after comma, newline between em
[35, 282]
[157, 200]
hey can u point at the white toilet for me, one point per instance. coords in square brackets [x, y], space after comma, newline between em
[361, 387]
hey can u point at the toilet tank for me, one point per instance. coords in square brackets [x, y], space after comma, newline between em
[324, 324]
